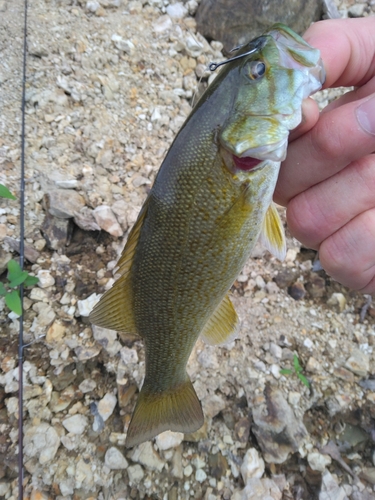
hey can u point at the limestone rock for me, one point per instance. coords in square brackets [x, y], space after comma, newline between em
[107, 221]
[279, 432]
[238, 21]
[358, 363]
[169, 439]
[114, 459]
[147, 456]
[75, 424]
[63, 203]
[252, 465]
[41, 441]
[106, 406]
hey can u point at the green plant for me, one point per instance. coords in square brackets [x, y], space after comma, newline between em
[297, 369]
[5, 193]
[10, 291]
[16, 276]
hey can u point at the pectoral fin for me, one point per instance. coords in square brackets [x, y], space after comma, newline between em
[115, 309]
[222, 327]
[272, 235]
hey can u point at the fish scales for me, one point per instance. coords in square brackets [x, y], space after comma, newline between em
[210, 203]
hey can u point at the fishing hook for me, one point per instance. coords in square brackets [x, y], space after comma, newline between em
[258, 42]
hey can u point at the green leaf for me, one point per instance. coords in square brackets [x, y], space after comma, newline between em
[13, 301]
[286, 371]
[31, 280]
[303, 379]
[19, 279]
[2, 289]
[296, 364]
[5, 193]
[14, 270]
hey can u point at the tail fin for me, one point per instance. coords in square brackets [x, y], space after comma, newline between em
[177, 409]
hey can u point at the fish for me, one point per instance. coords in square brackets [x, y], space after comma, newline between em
[210, 203]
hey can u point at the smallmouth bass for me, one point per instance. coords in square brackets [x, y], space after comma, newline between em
[210, 203]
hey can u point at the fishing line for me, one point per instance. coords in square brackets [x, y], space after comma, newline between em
[22, 261]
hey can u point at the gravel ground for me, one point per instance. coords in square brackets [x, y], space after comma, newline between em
[109, 84]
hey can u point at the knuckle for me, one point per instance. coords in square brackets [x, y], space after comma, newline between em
[303, 219]
[327, 142]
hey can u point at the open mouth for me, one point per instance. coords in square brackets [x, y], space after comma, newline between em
[246, 163]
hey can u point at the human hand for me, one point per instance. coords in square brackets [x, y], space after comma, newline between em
[327, 181]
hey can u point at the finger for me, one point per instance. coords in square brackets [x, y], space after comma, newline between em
[338, 138]
[347, 48]
[310, 115]
[322, 210]
[349, 254]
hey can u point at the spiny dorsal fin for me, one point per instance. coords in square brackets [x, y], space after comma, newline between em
[272, 235]
[115, 308]
[222, 326]
[177, 409]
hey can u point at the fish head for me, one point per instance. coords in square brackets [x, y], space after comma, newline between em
[280, 71]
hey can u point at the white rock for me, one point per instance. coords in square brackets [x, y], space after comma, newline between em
[358, 363]
[114, 459]
[294, 398]
[258, 489]
[129, 356]
[308, 343]
[357, 10]
[92, 6]
[107, 339]
[135, 473]
[45, 278]
[200, 475]
[276, 350]
[86, 306]
[330, 490]
[193, 47]
[75, 424]
[318, 461]
[147, 456]
[162, 24]
[177, 10]
[87, 385]
[107, 221]
[107, 405]
[42, 442]
[188, 470]
[4, 489]
[169, 439]
[252, 465]
[213, 404]
[124, 45]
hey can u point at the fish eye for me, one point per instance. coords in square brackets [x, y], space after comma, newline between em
[256, 70]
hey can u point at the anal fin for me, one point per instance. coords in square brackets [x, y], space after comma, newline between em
[222, 326]
[273, 235]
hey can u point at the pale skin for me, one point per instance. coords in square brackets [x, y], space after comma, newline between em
[327, 181]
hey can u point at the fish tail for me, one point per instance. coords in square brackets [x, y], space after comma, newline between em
[177, 409]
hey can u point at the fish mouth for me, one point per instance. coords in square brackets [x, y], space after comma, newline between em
[253, 157]
[245, 163]
[273, 152]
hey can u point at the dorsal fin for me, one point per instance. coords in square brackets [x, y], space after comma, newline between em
[222, 326]
[115, 308]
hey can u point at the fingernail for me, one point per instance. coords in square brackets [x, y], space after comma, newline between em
[366, 115]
